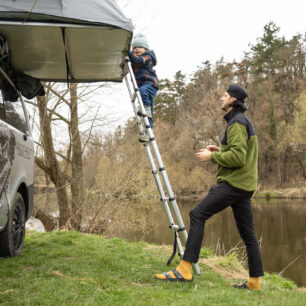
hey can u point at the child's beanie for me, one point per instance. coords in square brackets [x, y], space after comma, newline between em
[140, 40]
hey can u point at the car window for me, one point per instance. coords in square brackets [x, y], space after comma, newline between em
[13, 113]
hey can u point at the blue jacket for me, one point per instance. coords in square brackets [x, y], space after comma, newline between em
[143, 68]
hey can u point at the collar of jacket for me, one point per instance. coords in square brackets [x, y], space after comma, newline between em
[232, 113]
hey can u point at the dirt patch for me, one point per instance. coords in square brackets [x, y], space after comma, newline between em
[7, 291]
[57, 273]
[236, 270]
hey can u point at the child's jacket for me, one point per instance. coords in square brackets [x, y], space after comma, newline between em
[143, 68]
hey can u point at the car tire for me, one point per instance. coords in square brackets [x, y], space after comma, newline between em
[12, 237]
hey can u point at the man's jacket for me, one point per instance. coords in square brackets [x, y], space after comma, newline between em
[238, 157]
[143, 68]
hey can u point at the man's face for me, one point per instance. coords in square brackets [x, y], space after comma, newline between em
[227, 100]
[139, 51]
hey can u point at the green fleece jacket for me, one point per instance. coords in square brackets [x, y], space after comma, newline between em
[238, 156]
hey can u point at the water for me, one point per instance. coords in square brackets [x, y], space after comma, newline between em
[280, 223]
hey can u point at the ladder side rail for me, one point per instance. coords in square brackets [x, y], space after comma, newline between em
[152, 164]
[141, 129]
[159, 185]
[155, 172]
[157, 154]
[183, 234]
[162, 170]
[143, 111]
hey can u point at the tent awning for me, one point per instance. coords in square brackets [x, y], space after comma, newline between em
[50, 40]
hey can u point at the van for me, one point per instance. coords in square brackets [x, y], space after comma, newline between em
[16, 168]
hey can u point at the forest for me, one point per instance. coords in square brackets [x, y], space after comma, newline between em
[102, 180]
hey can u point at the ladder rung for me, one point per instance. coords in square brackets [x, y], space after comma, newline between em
[164, 199]
[177, 228]
[174, 226]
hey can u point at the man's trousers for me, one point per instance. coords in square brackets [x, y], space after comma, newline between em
[220, 197]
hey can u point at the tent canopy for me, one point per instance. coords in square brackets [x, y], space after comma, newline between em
[60, 40]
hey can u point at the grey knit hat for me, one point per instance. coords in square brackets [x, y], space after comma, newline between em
[140, 40]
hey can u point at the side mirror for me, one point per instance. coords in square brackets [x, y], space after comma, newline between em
[8, 92]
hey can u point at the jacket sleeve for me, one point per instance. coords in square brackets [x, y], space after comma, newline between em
[143, 60]
[235, 156]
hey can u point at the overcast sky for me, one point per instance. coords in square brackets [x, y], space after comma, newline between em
[185, 33]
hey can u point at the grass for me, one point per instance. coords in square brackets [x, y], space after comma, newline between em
[69, 268]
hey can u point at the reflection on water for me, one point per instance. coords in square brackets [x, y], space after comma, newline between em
[280, 223]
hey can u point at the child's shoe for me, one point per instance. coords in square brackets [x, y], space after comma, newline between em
[144, 138]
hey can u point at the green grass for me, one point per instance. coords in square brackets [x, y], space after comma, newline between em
[69, 268]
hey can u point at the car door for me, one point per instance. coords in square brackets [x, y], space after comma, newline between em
[5, 167]
[17, 151]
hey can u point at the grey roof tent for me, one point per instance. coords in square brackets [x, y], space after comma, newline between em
[52, 40]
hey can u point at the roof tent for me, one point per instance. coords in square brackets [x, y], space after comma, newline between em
[60, 40]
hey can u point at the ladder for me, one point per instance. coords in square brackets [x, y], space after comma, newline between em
[179, 230]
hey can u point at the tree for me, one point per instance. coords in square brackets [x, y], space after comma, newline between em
[62, 157]
[169, 97]
[277, 78]
[49, 162]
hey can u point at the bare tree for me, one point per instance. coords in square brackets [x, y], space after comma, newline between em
[50, 163]
[77, 191]
[62, 144]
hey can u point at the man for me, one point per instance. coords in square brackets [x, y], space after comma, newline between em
[237, 161]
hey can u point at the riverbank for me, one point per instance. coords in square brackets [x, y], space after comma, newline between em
[261, 193]
[70, 268]
[282, 193]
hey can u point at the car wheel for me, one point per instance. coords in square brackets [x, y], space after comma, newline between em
[12, 237]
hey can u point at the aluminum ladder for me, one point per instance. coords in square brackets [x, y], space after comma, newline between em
[179, 230]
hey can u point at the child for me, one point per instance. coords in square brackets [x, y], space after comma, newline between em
[143, 59]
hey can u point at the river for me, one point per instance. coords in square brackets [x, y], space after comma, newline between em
[280, 224]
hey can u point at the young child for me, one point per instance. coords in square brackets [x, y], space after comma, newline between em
[143, 60]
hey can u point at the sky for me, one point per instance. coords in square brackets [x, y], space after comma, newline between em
[185, 33]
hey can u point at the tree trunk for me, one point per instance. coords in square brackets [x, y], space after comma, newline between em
[77, 192]
[282, 165]
[49, 222]
[51, 163]
[300, 162]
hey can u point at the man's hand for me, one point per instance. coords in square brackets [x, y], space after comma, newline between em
[213, 148]
[203, 155]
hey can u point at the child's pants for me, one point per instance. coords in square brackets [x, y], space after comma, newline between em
[148, 92]
[218, 198]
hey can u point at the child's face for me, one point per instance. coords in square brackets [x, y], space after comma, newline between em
[139, 51]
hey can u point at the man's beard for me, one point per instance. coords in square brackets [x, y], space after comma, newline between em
[226, 108]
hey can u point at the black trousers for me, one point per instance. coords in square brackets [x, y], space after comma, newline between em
[220, 197]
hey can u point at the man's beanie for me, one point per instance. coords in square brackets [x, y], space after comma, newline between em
[239, 93]
[140, 40]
